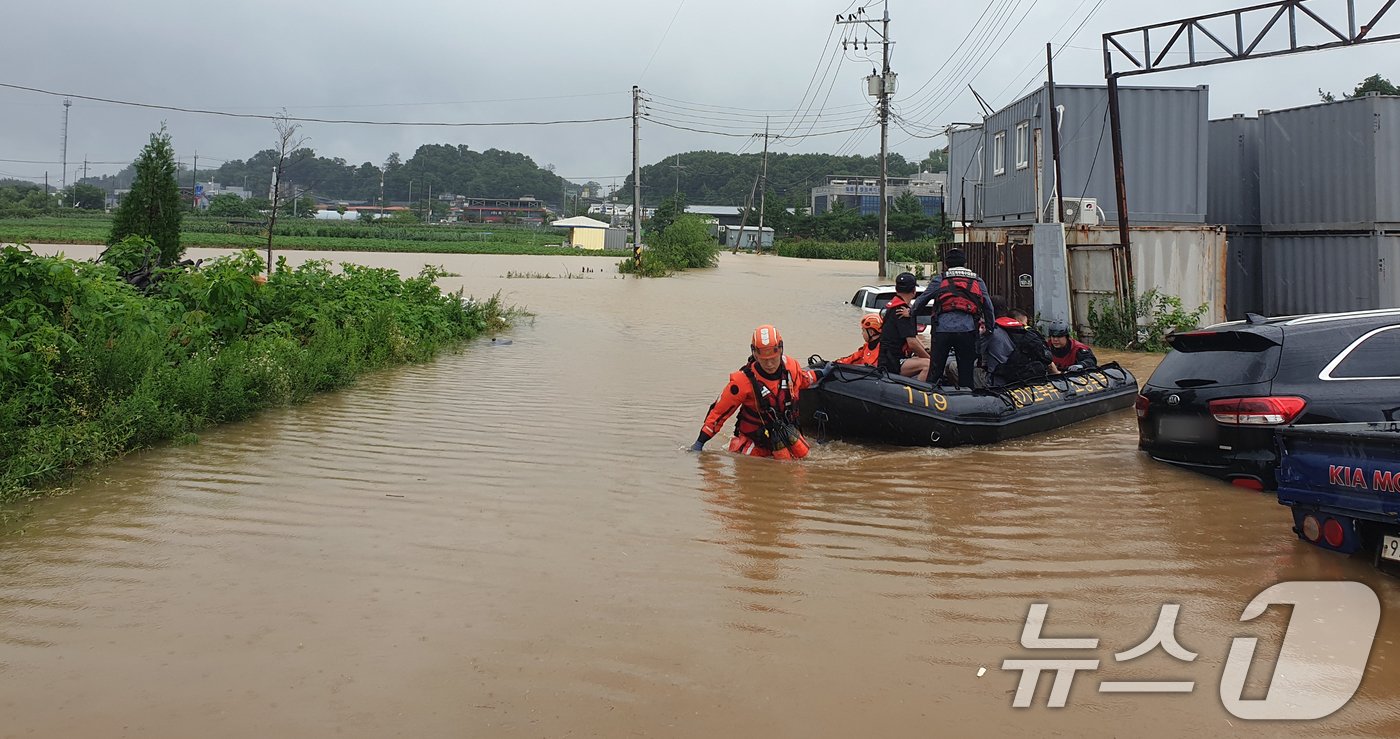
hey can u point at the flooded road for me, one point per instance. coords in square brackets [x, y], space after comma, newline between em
[513, 541]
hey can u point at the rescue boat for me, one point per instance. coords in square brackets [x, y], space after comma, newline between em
[861, 402]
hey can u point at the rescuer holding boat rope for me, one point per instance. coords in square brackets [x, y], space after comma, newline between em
[764, 392]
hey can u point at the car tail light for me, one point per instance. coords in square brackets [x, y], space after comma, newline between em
[1311, 530]
[1247, 483]
[1141, 406]
[1275, 411]
[1333, 533]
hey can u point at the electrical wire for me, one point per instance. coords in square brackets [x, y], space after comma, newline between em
[661, 41]
[263, 116]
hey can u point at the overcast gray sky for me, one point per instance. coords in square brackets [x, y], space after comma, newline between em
[416, 60]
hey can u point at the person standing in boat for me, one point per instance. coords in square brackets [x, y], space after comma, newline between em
[764, 393]
[1069, 354]
[959, 302]
[901, 352]
[869, 353]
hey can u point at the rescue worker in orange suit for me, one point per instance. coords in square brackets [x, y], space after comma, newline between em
[764, 392]
[1069, 354]
[869, 353]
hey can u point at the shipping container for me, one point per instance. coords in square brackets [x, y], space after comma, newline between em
[1232, 173]
[1165, 149]
[1244, 274]
[1327, 273]
[1331, 166]
[964, 172]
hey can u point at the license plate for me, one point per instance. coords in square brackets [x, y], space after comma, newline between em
[1390, 547]
[1185, 428]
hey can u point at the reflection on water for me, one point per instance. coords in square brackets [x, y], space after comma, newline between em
[512, 541]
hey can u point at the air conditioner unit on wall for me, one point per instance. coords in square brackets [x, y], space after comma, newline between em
[1078, 212]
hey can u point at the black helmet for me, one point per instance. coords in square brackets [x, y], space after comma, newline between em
[1059, 328]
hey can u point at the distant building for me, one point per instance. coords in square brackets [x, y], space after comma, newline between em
[723, 215]
[863, 193]
[746, 237]
[524, 209]
[587, 233]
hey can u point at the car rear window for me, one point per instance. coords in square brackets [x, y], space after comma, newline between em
[1213, 359]
[882, 300]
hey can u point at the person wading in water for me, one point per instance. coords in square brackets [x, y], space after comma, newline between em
[764, 393]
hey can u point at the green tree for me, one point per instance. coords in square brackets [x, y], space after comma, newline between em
[937, 161]
[907, 220]
[229, 205]
[666, 213]
[152, 209]
[1374, 83]
[84, 196]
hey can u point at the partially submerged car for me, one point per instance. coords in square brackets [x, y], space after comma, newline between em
[874, 298]
[1215, 402]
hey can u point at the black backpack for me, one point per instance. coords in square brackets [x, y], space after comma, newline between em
[1030, 357]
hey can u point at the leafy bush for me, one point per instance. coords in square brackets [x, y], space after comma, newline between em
[1115, 323]
[685, 244]
[91, 368]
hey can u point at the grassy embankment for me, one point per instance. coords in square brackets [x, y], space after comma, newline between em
[311, 235]
[91, 368]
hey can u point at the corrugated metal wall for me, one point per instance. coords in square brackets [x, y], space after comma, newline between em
[1009, 197]
[1165, 138]
[1244, 275]
[1232, 173]
[1320, 168]
[1328, 273]
[964, 171]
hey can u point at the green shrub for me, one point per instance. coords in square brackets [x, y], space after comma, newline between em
[685, 244]
[1114, 323]
[91, 368]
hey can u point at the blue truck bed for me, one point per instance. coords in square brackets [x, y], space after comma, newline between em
[1342, 482]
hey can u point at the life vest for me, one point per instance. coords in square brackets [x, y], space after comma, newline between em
[889, 314]
[868, 354]
[1075, 352]
[1029, 356]
[960, 292]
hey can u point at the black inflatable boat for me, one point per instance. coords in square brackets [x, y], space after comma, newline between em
[859, 402]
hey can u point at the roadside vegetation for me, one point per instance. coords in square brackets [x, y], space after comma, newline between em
[685, 243]
[136, 348]
[91, 367]
[1115, 325]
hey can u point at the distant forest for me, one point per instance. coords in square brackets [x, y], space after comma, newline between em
[705, 177]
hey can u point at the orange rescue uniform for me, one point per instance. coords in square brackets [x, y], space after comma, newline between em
[868, 354]
[778, 398]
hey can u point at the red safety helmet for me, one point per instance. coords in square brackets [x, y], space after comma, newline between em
[767, 342]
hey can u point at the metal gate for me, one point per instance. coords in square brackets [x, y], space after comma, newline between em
[1008, 270]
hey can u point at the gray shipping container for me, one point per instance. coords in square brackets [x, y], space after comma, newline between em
[1233, 173]
[964, 172]
[1165, 148]
[1331, 166]
[1244, 274]
[1327, 273]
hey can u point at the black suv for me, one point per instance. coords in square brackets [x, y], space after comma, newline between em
[1214, 402]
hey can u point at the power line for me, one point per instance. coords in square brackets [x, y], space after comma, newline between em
[661, 41]
[746, 135]
[263, 116]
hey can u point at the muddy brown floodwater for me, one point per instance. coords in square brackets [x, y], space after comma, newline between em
[513, 541]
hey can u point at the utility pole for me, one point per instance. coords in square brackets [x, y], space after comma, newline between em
[429, 217]
[678, 167]
[762, 189]
[1055, 137]
[881, 86]
[637, 176]
[381, 193]
[66, 105]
